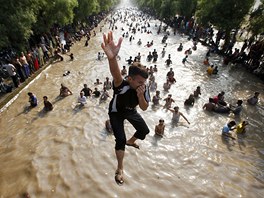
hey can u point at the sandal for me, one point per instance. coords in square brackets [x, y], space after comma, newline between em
[119, 177]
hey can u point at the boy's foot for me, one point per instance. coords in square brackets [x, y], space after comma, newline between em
[133, 145]
[119, 177]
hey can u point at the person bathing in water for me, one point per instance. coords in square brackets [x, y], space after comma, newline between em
[128, 93]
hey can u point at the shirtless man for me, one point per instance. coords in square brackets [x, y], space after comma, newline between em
[168, 101]
[159, 128]
[64, 91]
[210, 106]
[176, 115]
[167, 85]
[156, 98]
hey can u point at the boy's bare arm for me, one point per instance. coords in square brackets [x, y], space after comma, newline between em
[111, 50]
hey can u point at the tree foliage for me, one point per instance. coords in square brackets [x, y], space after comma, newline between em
[256, 20]
[223, 14]
[169, 8]
[20, 19]
[16, 18]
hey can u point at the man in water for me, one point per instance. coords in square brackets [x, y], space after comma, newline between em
[128, 93]
[254, 99]
[32, 100]
[227, 128]
[159, 128]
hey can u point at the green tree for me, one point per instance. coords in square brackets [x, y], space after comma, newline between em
[17, 18]
[186, 8]
[54, 12]
[225, 15]
[86, 8]
[256, 20]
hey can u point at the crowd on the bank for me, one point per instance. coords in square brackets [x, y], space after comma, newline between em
[46, 48]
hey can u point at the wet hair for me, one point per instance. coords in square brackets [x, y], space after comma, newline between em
[211, 100]
[232, 123]
[239, 102]
[176, 108]
[30, 93]
[161, 120]
[137, 70]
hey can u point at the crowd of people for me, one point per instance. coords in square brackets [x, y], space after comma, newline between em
[134, 86]
[50, 47]
[145, 81]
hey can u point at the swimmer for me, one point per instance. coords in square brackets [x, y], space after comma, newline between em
[82, 99]
[159, 128]
[47, 105]
[210, 106]
[156, 98]
[167, 85]
[64, 91]
[189, 101]
[197, 92]
[168, 101]
[241, 127]
[254, 99]
[176, 114]
[227, 128]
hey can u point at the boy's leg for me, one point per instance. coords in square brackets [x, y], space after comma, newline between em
[140, 125]
[117, 123]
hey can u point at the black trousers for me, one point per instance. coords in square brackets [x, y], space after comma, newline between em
[117, 123]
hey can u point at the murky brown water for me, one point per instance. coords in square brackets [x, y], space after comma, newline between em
[67, 152]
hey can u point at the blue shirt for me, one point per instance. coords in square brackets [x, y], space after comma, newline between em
[225, 129]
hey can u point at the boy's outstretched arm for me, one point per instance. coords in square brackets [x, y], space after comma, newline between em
[111, 50]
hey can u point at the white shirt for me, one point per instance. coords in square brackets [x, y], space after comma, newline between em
[10, 69]
[82, 99]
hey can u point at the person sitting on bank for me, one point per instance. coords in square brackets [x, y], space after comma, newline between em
[64, 91]
[159, 128]
[47, 105]
[254, 99]
[32, 100]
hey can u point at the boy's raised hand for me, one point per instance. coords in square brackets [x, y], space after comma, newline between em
[111, 50]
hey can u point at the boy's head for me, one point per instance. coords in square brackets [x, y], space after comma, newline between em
[137, 76]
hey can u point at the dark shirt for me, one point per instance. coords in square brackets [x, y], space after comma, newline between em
[96, 94]
[47, 106]
[87, 91]
[125, 98]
